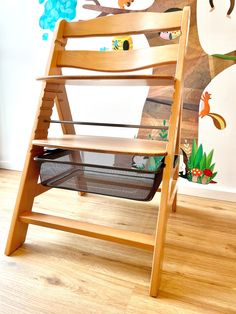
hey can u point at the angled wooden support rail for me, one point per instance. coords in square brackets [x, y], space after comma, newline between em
[41, 189]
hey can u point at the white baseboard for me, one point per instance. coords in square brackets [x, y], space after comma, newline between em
[214, 191]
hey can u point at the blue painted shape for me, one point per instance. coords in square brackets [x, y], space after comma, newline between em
[103, 49]
[45, 36]
[55, 10]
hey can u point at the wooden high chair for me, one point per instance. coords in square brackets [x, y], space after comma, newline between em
[54, 91]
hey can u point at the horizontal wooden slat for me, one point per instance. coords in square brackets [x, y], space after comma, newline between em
[118, 61]
[105, 144]
[135, 239]
[134, 23]
[110, 80]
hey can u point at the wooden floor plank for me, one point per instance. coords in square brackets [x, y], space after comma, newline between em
[58, 272]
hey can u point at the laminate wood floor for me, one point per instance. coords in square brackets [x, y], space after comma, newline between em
[58, 272]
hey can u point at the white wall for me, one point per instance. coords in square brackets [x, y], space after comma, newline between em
[22, 58]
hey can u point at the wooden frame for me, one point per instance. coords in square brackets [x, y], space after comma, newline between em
[54, 92]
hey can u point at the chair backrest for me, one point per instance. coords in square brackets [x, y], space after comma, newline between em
[130, 60]
[121, 24]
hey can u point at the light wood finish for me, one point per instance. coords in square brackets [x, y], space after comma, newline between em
[58, 272]
[105, 144]
[135, 239]
[116, 61]
[173, 136]
[54, 92]
[110, 80]
[29, 180]
[137, 23]
[41, 189]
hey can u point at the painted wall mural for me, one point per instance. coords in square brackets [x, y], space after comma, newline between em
[218, 120]
[222, 88]
[216, 23]
[208, 113]
[231, 7]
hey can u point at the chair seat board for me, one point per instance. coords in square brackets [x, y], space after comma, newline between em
[105, 144]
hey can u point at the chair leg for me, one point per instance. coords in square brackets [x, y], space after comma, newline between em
[24, 203]
[160, 234]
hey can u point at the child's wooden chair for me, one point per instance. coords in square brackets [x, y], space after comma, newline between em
[54, 91]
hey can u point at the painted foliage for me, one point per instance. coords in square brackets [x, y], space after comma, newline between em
[53, 11]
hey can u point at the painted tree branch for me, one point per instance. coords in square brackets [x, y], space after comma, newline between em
[230, 10]
[108, 10]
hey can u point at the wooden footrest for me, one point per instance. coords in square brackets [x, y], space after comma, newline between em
[135, 239]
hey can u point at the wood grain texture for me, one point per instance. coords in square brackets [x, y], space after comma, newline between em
[105, 144]
[110, 80]
[107, 62]
[131, 238]
[118, 61]
[57, 272]
[136, 23]
[172, 148]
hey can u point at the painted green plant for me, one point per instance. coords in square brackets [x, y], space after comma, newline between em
[200, 166]
[163, 132]
[151, 163]
[154, 162]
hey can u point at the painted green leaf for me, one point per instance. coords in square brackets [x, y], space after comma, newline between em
[209, 158]
[203, 162]
[152, 164]
[212, 167]
[225, 57]
[190, 163]
[192, 156]
[194, 148]
[198, 157]
[158, 160]
[213, 176]
[163, 135]
[190, 176]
